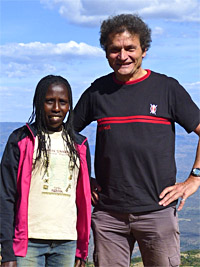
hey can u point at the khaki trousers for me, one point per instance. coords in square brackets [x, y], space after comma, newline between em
[115, 234]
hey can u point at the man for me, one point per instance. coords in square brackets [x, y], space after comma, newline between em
[135, 191]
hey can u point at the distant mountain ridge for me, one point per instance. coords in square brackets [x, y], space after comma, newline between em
[6, 128]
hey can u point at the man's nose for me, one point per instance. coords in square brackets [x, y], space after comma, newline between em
[123, 54]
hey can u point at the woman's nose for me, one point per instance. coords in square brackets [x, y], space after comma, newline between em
[56, 106]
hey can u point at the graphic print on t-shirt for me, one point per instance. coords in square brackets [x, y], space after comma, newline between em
[55, 181]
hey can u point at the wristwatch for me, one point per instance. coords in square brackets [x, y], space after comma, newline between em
[195, 172]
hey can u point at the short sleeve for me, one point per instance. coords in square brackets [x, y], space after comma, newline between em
[183, 109]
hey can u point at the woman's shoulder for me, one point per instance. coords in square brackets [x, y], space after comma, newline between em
[18, 133]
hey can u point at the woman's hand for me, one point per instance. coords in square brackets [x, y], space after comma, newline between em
[9, 264]
[79, 263]
[95, 188]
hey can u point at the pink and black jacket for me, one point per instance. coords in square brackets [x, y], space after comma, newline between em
[16, 170]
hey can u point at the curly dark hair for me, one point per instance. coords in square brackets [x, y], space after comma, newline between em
[38, 115]
[125, 22]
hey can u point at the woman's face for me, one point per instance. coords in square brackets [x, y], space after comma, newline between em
[56, 106]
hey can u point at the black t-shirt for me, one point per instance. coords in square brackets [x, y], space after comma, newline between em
[135, 142]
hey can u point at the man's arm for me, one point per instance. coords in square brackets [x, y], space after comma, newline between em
[82, 112]
[186, 188]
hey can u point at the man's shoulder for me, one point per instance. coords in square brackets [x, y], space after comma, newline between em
[102, 80]
[99, 85]
[157, 75]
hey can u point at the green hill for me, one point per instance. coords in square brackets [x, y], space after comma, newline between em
[188, 259]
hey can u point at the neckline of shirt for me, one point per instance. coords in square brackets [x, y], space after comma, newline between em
[134, 81]
[51, 133]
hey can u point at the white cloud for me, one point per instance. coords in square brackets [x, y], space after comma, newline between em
[43, 50]
[12, 89]
[76, 11]
[175, 10]
[17, 70]
[90, 13]
[37, 57]
[5, 91]
[193, 85]
[158, 31]
[4, 88]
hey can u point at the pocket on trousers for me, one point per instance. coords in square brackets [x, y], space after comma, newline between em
[174, 261]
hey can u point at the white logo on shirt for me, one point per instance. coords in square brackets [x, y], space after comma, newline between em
[153, 109]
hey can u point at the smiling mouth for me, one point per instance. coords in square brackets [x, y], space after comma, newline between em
[55, 117]
[124, 64]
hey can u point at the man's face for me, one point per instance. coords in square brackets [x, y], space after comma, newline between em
[124, 54]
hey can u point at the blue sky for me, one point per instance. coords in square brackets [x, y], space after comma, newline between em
[42, 37]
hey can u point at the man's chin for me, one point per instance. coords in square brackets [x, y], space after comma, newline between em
[122, 77]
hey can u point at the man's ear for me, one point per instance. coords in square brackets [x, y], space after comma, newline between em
[144, 53]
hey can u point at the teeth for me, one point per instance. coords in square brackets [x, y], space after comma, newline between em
[55, 118]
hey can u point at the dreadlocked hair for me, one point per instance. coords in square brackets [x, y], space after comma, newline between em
[38, 115]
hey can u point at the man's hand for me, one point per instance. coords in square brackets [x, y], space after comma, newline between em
[9, 264]
[182, 190]
[79, 263]
[95, 188]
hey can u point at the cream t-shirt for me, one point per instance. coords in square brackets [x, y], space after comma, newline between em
[52, 210]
